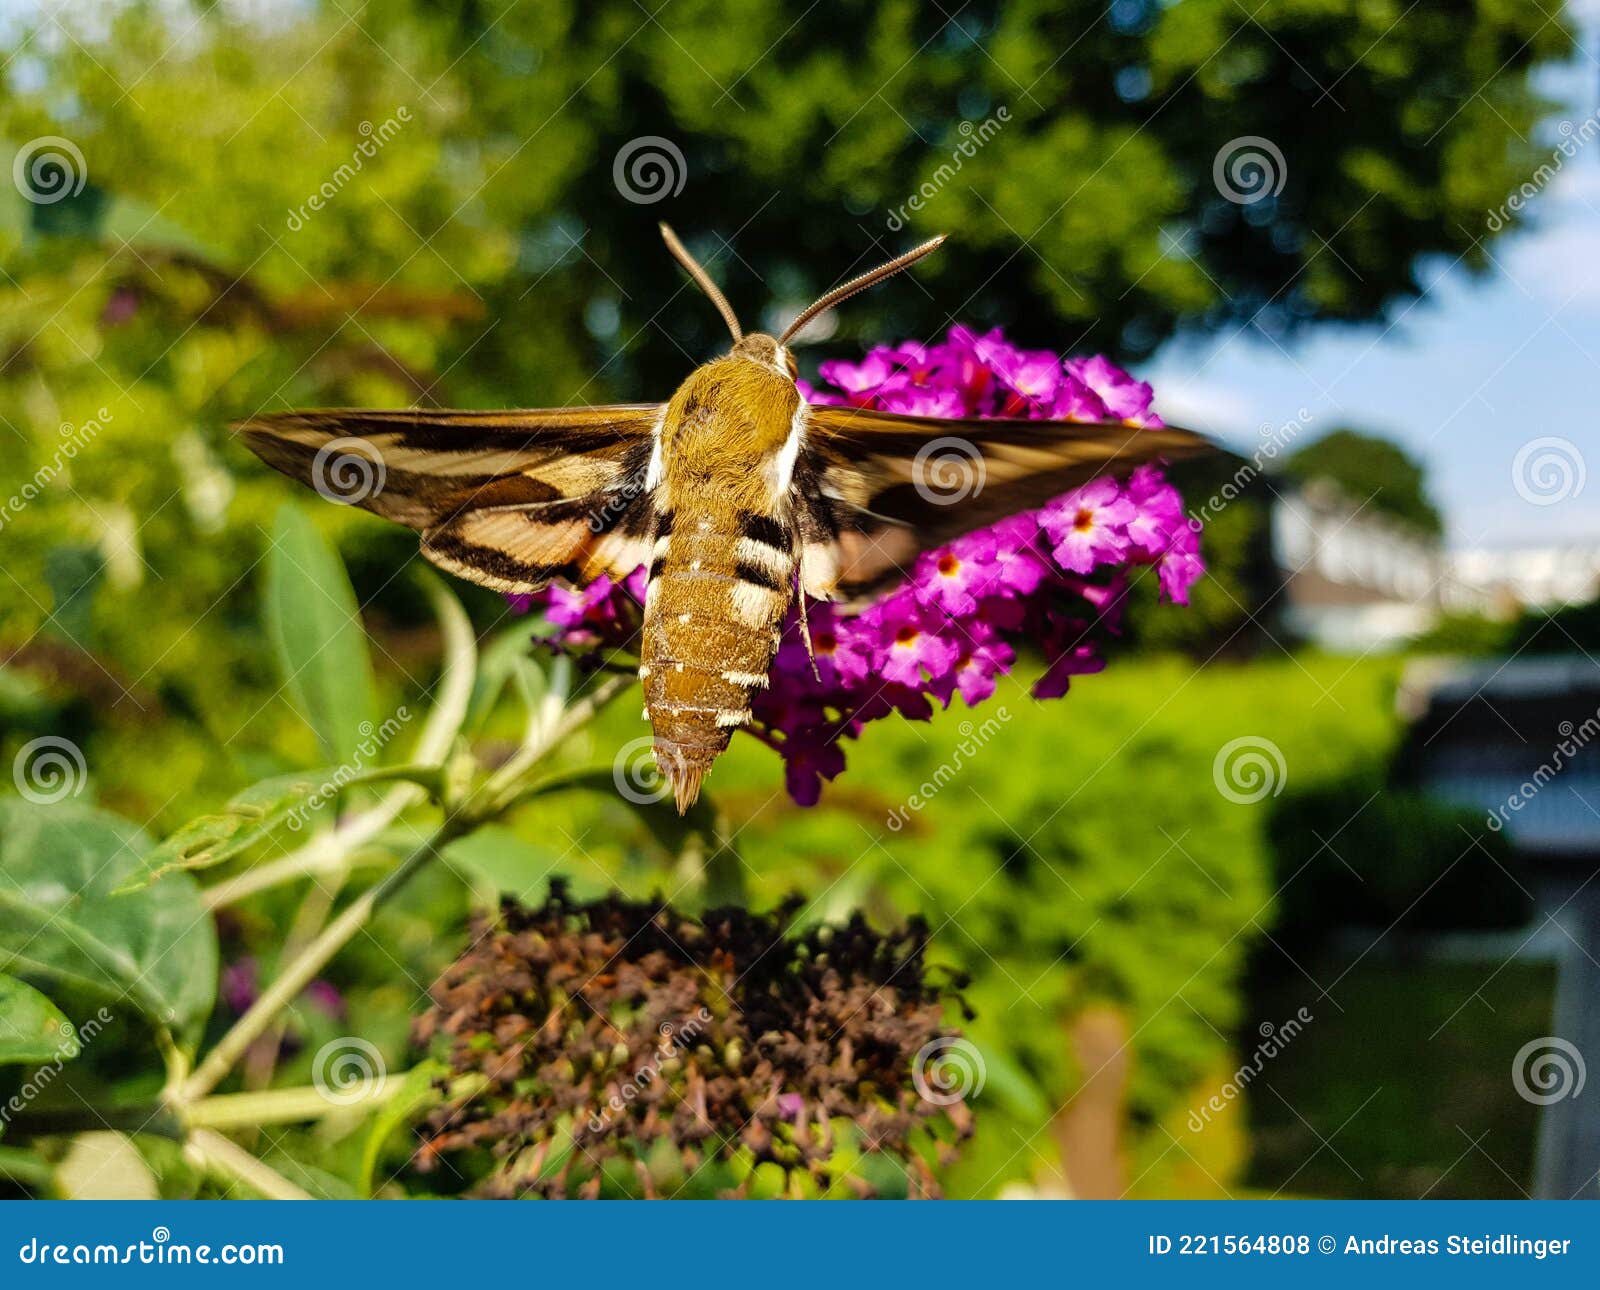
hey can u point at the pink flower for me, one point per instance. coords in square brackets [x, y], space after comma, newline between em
[917, 401]
[1125, 399]
[1075, 401]
[1089, 526]
[858, 379]
[806, 763]
[980, 662]
[1036, 375]
[1080, 660]
[954, 577]
[822, 398]
[914, 643]
[1179, 570]
[1053, 580]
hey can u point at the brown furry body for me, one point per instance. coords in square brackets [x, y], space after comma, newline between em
[722, 573]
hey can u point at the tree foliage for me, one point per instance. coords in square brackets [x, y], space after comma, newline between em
[1370, 470]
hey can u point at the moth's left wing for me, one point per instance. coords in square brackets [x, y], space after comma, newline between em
[875, 488]
[510, 500]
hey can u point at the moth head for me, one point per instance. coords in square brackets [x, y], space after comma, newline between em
[765, 349]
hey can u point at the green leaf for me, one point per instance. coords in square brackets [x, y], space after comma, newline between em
[1013, 1087]
[60, 920]
[505, 660]
[28, 1167]
[252, 816]
[418, 1092]
[322, 1184]
[247, 818]
[316, 631]
[32, 1029]
[671, 830]
[501, 859]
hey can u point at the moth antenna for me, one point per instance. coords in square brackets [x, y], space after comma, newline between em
[702, 280]
[861, 284]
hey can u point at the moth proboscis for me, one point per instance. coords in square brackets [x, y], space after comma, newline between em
[736, 493]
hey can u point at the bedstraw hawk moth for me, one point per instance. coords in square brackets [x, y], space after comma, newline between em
[736, 493]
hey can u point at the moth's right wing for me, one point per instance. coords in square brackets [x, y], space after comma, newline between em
[879, 487]
[510, 500]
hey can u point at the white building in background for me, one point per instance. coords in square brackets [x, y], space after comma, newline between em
[1505, 580]
[1356, 580]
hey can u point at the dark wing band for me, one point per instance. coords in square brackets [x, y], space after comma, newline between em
[506, 499]
[885, 486]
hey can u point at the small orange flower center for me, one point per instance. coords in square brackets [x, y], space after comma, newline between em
[1084, 520]
[906, 635]
[949, 566]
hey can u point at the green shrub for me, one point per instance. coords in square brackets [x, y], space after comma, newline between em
[1361, 855]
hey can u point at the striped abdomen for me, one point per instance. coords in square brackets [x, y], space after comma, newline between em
[720, 585]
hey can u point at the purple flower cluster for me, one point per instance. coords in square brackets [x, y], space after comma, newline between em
[1054, 578]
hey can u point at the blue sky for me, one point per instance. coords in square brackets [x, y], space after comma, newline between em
[1463, 378]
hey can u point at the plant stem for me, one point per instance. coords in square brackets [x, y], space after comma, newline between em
[481, 805]
[330, 852]
[724, 874]
[213, 1152]
[507, 784]
[315, 906]
[284, 1105]
[26, 1168]
[159, 1121]
[304, 968]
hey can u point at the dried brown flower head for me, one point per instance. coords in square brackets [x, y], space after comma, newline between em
[623, 1047]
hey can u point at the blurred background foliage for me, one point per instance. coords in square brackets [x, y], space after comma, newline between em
[483, 255]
